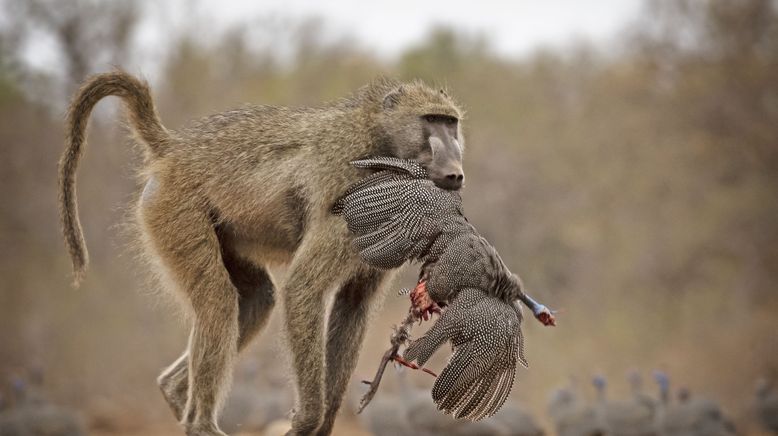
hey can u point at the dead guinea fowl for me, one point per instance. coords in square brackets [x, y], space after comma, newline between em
[396, 215]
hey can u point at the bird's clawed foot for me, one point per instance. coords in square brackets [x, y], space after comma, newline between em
[423, 305]
[412, 365]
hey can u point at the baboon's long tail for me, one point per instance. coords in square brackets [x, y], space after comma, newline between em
[145, 122]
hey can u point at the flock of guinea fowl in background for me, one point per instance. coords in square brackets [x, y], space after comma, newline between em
[25, 410]
[411, 413]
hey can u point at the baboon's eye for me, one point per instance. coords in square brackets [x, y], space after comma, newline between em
[439, 118]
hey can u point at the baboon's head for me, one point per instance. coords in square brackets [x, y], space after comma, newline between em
[422, 124]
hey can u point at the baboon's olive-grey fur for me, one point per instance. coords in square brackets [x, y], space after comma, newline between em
[236, 191]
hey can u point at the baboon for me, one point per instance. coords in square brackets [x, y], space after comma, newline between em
[234, 192]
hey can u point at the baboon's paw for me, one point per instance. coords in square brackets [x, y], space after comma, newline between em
[204, 430]
[173, 397]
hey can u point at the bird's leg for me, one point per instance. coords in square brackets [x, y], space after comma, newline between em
[541, 312]
[400, 336]
[423, 305]
[412, 365]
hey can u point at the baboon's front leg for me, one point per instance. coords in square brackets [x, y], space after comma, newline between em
[315, 268]
[345, 332]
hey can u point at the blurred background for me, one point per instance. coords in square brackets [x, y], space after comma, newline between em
[622, 157]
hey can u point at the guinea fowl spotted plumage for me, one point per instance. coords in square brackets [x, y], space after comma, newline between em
[397, 214]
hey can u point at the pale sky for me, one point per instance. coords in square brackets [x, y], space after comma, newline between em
[385, 28]
[514, 27]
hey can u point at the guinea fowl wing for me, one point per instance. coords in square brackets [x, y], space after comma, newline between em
[486, 336]
[395, 212]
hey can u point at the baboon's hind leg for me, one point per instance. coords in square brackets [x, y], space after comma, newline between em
[183, 237]
[256, 301]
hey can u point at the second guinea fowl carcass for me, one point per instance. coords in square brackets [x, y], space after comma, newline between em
[397, 214]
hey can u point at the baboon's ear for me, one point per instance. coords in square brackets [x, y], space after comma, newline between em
[393, 97]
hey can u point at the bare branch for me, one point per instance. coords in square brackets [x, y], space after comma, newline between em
[400, 336]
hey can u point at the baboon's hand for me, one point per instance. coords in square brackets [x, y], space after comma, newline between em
[486, 336]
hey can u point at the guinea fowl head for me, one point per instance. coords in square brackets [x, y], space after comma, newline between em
[18, 391]
[663, 381]
[599, 383]
[18, 385]
[515, 291]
